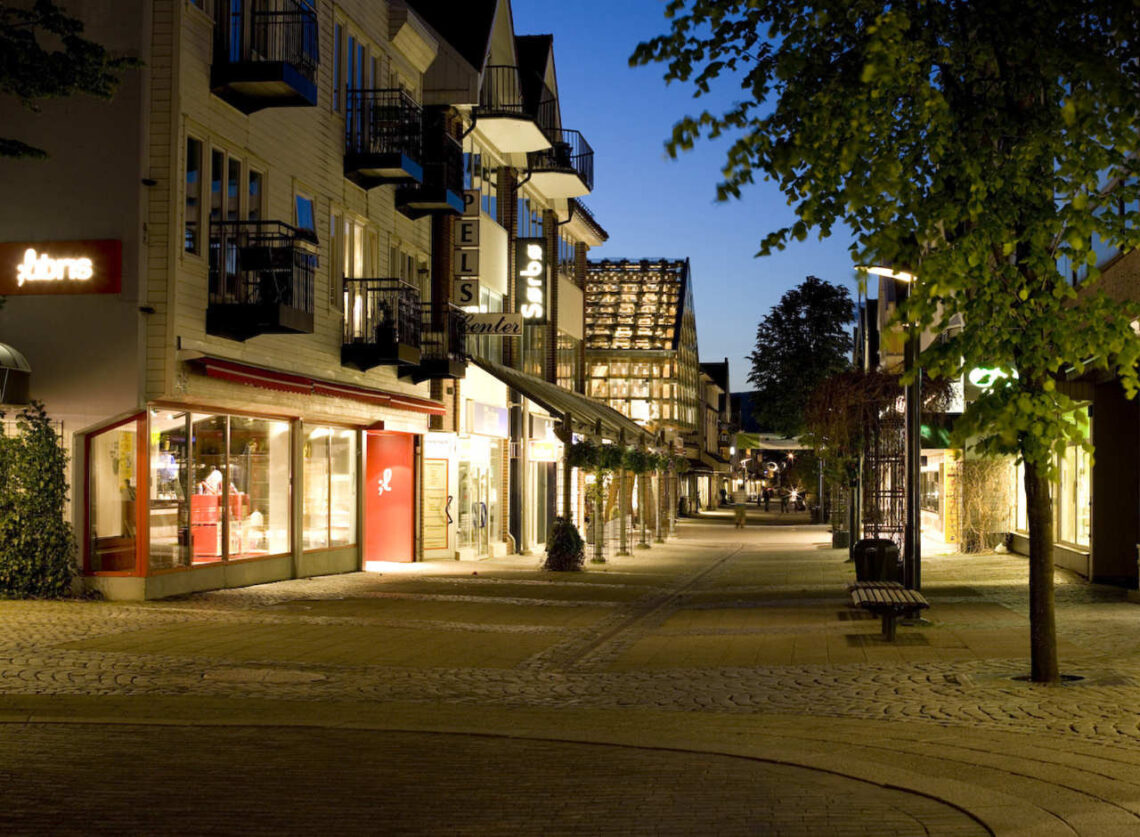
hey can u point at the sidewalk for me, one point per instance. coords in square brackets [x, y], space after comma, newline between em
[719, 684]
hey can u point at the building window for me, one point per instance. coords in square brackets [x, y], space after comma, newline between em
[254, 196]
[330, 488]
[305, 215]
[192, 239]
[568, 362]
[338, 58]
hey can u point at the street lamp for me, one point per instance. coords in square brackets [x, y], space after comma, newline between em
[912, 527]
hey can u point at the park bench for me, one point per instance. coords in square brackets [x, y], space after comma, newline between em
[887, 599]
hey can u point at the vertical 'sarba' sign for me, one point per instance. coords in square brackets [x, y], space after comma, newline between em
[94, 266]
[531, 281]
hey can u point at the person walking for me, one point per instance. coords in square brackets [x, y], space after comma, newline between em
[740, 510]
[767, 498]
[783, 502]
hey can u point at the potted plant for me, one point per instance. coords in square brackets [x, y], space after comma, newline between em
[565, 549]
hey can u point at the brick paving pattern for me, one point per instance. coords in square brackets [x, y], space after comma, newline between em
[735, 654]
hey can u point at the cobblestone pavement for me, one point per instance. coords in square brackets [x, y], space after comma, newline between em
[737, 646]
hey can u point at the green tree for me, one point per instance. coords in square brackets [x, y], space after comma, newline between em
[970, 142]
[43, 55]
[802, 340]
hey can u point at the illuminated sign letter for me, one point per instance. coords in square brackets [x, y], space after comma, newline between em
[46, 269]
[531, 282]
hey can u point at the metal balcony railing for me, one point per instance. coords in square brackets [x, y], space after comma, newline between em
[258, 263]
[445, 333]
[268, 31]
[569, 152]
[506, 92]
[443, 169]
[384, 312]
[383, 122]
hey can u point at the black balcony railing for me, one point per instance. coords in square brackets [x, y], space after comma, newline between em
[382, 323]
[383, 137]
[442, 186]
[443, 345]
[265, 53]
[261, 279]
[509, 92]
[569, 153]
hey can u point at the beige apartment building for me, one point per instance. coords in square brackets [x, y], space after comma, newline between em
[257, 360]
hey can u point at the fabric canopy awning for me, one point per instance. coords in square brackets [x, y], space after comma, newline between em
[587, 415]
[257, 376]
[762, 441]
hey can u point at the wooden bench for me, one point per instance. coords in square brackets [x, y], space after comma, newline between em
[887, 599]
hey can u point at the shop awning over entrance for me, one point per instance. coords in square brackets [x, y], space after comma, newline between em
[15, 373]
[586, 414]
[256, 376]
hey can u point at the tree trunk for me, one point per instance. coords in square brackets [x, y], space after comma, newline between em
[623, 515]
[1042, 616]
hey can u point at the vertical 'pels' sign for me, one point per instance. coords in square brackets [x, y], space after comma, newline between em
[531, 283]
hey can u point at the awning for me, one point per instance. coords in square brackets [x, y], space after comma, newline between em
[15, 374]
[587, 415]
[764, 441]
[257, 376]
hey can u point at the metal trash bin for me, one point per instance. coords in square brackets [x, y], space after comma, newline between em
[877, 559]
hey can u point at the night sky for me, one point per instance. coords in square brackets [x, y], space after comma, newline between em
[656, 207]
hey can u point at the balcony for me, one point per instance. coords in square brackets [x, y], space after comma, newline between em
[442, 188]
[443, 345]
[383, 138]
[510, 120]
[261, 279]
[381, 324]
[265, 54]
[566, 169]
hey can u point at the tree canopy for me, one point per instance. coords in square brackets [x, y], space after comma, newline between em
[800, 342]
[43, 55]
[987, 147]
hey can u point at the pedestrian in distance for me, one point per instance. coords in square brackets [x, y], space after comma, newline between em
[767, 498]
[783, 502]
[740, 511]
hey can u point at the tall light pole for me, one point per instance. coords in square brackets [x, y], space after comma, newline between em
[912, 527]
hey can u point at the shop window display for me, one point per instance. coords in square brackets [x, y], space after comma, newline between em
[219, 488]
[112, 492]
[258, 489]
[169, 487]
[330, 488]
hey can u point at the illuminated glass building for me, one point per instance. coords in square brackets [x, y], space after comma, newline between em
[641, 343]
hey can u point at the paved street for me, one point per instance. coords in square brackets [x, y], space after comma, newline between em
[717, 684]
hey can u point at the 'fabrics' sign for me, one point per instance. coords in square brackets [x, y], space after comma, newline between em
[93, 266]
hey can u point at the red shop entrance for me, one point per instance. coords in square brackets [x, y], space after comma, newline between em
[389, 497]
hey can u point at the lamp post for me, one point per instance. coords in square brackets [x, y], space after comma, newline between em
[912, 526]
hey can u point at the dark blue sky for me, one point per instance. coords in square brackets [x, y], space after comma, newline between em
[656, 207]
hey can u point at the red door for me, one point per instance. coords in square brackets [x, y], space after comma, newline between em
[389, 492]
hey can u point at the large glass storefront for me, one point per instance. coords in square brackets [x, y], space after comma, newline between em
[329, 462]
[217, 489]
[479, 505]
[1072, 498]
